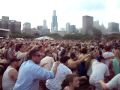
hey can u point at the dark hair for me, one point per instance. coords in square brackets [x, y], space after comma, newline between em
[33, 52]
[18, 46]
[63, 52]
[14, 59]
[83, 50]
[40, 47]
[107, 48]
[47, 52]
[72, 55]
[100, 58]
[69, 78]
[64, 59]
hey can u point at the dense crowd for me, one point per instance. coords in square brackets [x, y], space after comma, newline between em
[59, 65]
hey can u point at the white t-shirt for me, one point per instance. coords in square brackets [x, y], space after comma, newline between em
[108, 55]
[114, 83]
[99, 70]
[7, 82]
[21, 55]
[62, 72]
[47, 62]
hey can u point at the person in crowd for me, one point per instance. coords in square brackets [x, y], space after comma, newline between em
[73, 62]
[30, 73]
[99, 72]
[62, 72]
[22, 51]
[47, 61]
[10, 74]
[71, 82]
[11, 51]
[116, 62]
[82, 66]
[112, 84]
[109, 56]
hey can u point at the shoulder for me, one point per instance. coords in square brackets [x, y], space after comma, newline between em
[66, 88]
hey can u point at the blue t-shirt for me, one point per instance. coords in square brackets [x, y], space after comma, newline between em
[29, 76]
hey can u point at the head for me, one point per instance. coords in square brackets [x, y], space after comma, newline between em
[20, 47]
[48, 52]
[84, 50]
[15, 62]
[72, 55]
[107, 48]
[35, 55]
[71, 80]
[63, 52]
[100, 59]
[64, 59]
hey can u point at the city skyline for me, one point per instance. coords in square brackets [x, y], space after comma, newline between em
[35, 11]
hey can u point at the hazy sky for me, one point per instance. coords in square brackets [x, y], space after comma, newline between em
[35, 11]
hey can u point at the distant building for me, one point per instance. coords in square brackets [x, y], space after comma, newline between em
[45, 28]
[54, 24]
[5, 18]
[113, 27]
[96, 24]
[4, 33]
[43, 31]
[27, 25]
[13, 25]
[67, 27]
[99, 27]
[103, 29]
[72, 29]
[27, 28]
[87, 25]
[45, 24]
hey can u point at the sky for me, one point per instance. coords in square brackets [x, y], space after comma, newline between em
[35, 11]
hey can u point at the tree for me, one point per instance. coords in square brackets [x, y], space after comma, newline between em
[97, 34]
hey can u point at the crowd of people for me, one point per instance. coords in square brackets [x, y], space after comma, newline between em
[59, 65]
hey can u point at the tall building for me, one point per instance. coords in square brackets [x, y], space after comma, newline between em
[68, 27]
[72, 28]
[13, 25]
[42, 30]
[87, 25]
[27, 25]
[45, 24]
[27, 28]
[113, 27]
[5, 18]
[54, 24]
[96, 24]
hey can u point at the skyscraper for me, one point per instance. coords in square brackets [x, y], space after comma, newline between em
[13, 25]
[54, 24]
[27, 28]
[45, 24]
[113, 27]
[72, 28]
[68, 27]
[87, 25]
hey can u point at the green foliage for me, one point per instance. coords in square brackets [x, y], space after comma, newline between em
[77, 37]
[114, 36]
[97, 34]
[55, 36]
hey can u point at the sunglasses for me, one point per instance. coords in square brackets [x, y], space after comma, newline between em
[38, 55]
